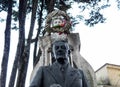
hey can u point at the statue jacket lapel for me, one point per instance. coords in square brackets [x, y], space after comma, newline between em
[55, 72]
[75, 78]
[72, 78]
[72, 75]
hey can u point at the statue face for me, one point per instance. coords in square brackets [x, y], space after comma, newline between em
[60, 51]
[57, 22]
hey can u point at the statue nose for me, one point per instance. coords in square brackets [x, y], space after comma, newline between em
[59, 48]
[60, 52]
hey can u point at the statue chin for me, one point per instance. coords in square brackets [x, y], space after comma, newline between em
[61, 60]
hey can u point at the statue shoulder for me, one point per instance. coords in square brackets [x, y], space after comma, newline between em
[79, 71]
[44, 68]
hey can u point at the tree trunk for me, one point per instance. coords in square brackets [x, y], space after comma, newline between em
[25, 57]
[36, 55]
[50, 5]
[20, 47]
[7, 45]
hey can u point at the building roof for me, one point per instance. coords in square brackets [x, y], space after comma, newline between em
[106, 65]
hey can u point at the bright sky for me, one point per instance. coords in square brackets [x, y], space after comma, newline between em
[99, 44]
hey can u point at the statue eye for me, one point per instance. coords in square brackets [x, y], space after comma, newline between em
[56, 47]
[59, 22]
[63, 47]
[55, 22]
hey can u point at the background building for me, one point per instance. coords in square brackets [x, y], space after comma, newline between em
[108, 75]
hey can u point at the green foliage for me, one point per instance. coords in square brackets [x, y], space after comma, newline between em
[14, 26]
[93, 11]
[1, 19]
[15, 15]
[4, 5]
[118, 4]
[95, 18]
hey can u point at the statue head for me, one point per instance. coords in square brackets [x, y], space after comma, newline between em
[61, 51]
[57, 21]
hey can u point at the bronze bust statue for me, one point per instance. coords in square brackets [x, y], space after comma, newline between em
[60, 73]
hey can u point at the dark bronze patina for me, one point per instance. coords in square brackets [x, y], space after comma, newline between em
[60, 73]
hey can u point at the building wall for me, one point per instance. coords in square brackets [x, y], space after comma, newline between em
[110, 73]
[102, 76]
[114, 75]
[105, 86]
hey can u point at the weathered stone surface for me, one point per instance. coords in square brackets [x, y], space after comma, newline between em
[79, 61]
